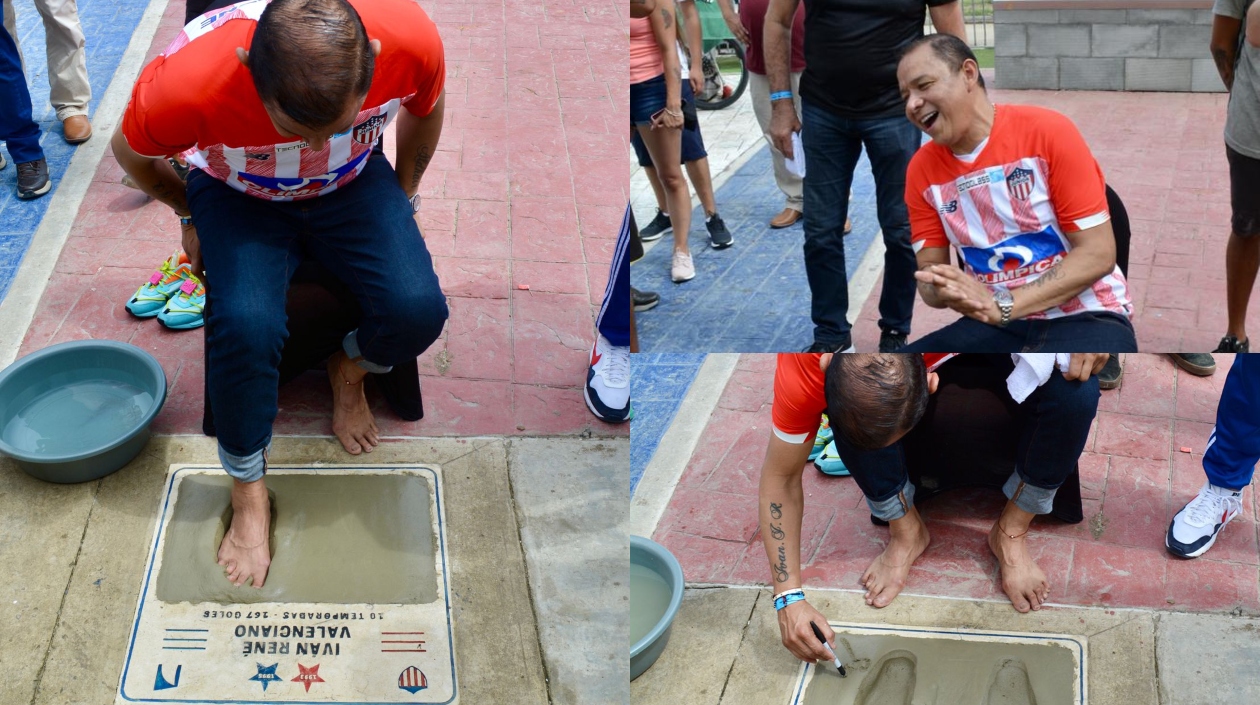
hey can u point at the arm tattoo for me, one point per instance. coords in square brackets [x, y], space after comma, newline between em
[1055, 272]
[776, 511]
[780, 568]
[667, 17]
[776, 533]
[423, 155]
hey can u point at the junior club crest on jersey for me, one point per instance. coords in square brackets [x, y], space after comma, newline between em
[367, 131]
[1020, 183]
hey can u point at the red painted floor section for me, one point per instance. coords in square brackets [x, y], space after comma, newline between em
[1133, 479]
[523, 190]
[1164, 154]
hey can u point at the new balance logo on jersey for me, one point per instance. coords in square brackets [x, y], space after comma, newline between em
[1015, 258]
[948, 207]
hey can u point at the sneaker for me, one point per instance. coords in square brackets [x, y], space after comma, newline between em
[829, 463]
[683, 269]
[1195, 528]
[185, 310]
[1198, 364]
[846, 347]
[891, 341]
[644, 300]
[822, 439]
[659, 226]
[152, 296]
[1109, 376]
[33, 181]
[608, 381]
[1230, 344]
[719, 237]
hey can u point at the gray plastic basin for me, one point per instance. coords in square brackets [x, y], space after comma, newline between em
[655, 557]
[79, 411]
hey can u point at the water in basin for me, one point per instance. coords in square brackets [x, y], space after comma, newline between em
[78, 416]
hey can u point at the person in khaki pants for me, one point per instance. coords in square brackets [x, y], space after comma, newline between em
[67, 63]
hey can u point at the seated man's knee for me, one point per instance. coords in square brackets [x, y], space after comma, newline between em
[1072, 397]
[420, 315]
[248, 330]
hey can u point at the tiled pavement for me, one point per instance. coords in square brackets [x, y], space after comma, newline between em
[1162, 152]
[658, 383]
[1133, 478]
[106, 28]
[521, 211]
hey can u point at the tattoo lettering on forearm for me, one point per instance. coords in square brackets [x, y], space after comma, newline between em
[776, 511]
[776, 533]
[1055, 272]
[164, 194]
[667, 17]
[423, 155]
[780, 568]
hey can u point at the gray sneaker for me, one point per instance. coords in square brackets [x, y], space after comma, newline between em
[3, 163]
[33, 180]
[1230, 344]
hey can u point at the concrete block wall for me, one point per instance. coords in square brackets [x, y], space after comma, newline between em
[1099, 45]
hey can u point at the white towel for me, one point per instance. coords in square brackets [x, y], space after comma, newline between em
[796, 165]
[1032, 370]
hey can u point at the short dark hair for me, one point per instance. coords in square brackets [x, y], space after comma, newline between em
[873, 397]
[948, 48]
[308, 57]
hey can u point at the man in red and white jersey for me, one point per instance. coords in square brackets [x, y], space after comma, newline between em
[1015, 190]
[873, 401]
[280, 108]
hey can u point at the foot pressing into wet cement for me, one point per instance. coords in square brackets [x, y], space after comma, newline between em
[244, 553]
[352, 419]
[886, 577]
[1022, 580]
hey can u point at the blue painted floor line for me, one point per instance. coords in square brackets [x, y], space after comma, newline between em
[753, 296]
[107, 26]
[658, 383]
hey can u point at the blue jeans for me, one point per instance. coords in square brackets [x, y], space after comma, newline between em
[17, 130]
[1234, 447]
[832, 148]
[364, 232]
[1080, 332]
[1054, 424]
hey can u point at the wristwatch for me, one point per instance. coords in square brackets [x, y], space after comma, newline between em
[415, 203]
[1005, 303]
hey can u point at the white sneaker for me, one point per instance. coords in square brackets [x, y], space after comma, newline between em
[1195, 528]
[608, 381]
[683, 269]
[3, 163]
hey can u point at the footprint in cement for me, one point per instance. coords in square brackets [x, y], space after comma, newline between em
[1010, 685]
[890, 681]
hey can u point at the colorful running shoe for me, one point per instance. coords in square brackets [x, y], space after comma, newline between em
[829, 463]
[152, 296]
[184, 310]
[822, 439]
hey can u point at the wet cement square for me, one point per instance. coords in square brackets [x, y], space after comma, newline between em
[917, 666]
[355, 608]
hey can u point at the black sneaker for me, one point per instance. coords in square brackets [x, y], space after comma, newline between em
[33, 180]
[659, 226]
[891, 341]
[1197, 364]
[846, 347]
[1230, 344]
[719, 237]
[644, 300]
[1109, 376]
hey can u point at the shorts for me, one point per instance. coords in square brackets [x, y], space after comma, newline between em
[646, 99]
[692, 142]
[1244, 193]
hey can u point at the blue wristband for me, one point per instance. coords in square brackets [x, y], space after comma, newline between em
[787, 598]
[780, 95]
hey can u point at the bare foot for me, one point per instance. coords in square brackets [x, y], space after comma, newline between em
[352, 419]
[244, 553]
[1022, 580]
[886, 577]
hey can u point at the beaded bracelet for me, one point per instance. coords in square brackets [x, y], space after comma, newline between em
[780, 95]
[784, 599]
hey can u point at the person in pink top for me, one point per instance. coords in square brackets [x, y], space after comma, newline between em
[656, 112]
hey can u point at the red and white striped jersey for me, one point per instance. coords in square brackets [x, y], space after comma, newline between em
[198, 100]
[1008, 211]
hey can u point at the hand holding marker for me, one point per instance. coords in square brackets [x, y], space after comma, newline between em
[834, 659]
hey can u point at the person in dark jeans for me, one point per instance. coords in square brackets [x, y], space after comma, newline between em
[286, 162]
[18, 130]
[872, 402]
[850, 101]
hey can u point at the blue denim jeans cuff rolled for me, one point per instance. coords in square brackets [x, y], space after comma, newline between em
[245, 468]
[894, 507]
[1030, 498]
[351, 345]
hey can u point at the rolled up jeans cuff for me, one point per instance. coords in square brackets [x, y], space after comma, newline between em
[1030, 498]
[351, 345]
[245, 468]
[896, 506]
